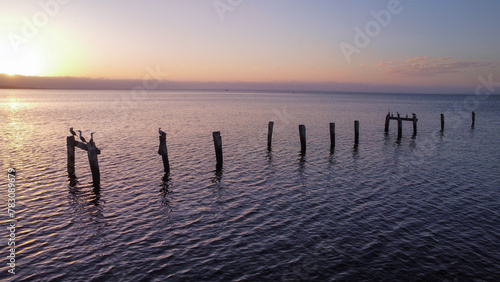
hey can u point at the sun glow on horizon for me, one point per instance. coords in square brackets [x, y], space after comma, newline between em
[28, 65]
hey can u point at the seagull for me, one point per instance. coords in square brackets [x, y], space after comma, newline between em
[72, 131]
[91, 137]
[81, 137]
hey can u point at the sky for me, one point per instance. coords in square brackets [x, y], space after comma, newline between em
[333, 45]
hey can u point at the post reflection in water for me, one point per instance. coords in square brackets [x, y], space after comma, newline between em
[217, 176]
[302, 160]
[164, 191]
[87, 205]
[355, 152]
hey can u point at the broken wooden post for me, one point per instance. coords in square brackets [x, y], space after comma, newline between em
[332, 136]
[94, 165]
[356, 132]
[162, 150]
[70, 144]
[400, 127]
[442, 122]
[387, 119]
[218, 149]
[473, 119]
[302, 133]
[414, 125]
[270, 134]
[92, 152]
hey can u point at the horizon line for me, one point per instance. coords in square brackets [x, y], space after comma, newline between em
[87, 83]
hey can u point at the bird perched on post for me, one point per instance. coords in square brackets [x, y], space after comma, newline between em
[91, 137]
[160, 131]
[81, 137]
[72, 131]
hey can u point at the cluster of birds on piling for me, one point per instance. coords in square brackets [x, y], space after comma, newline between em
[399, 114]
[81, 137]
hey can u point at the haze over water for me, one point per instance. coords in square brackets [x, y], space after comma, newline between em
[419, 208]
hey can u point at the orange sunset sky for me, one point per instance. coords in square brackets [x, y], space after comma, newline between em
[400, 46]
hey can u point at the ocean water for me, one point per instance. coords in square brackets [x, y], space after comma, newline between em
[423, 208]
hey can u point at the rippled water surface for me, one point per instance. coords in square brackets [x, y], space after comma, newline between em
[415, 209]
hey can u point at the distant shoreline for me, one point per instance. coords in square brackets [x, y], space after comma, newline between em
[16, 82]
[234, 91]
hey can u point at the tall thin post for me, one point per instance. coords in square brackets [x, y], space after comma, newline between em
[400, 128]
[70, 144]
[386, 130]
[442, 122]
[218, 149]
[473, 119]
[302, 133]
[94, 164]
[414, 125]
[270, 134]
[162, 150]
[356, 132]
[332, 136]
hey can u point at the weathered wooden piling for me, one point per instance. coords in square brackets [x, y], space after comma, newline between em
[442, 122]
[218, 149]
[70, 144]
[92, 152]
[162, 150]
[270, 134]
[332, 136]
[356, 132]
[387, 119]
[94, 164]
[414, 124]
[473, 119]
[302, 133]
[400, 128]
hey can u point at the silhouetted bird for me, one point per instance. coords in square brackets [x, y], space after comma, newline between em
[160, 131]
[91, 137]
[72, 131]
[81, 137]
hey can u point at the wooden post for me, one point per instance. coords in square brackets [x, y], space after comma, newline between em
[270, 134]
[332, 136]
[162, 150]
[356, 132]
[414, 125]
[302, 133]
[70, 144]
[473, 119]
[442, 122]
[400, 128]
[218, 148]
[387, 122]
[94, 165]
